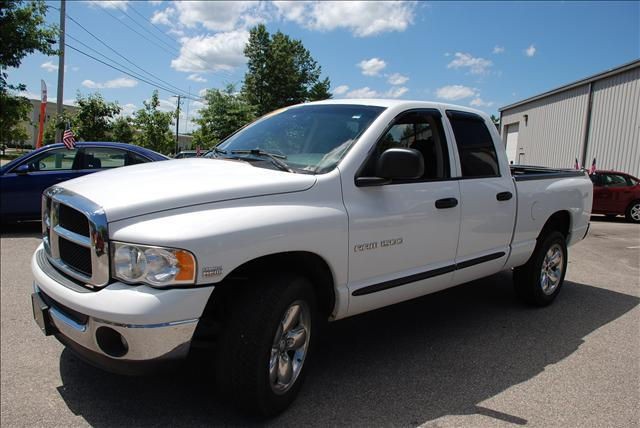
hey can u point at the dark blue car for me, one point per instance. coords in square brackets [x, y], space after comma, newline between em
[23, 180]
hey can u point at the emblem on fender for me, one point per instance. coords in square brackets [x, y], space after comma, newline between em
[210, 271]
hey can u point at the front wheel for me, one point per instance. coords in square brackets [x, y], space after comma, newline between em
[538, 282]
[264, 349]
[633, 212]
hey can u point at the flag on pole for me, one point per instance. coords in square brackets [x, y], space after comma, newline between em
[577, 166]
[593, 166]
[43, 112]
[68, 138]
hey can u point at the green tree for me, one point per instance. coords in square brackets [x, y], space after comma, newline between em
[320, 91]
[22, 31]
[58, 122]
[280, 72]
[153, 127]
[122, 130]
[496, 121]
[225, 112]
[94, 117]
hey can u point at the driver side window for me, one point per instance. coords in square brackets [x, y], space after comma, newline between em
[53, 160]
[419, 130]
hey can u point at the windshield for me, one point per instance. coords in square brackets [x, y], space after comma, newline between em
[308, 138]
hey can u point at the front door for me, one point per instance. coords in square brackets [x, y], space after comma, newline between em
[400, 244]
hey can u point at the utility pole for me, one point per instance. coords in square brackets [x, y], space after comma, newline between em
[60, 91]
[177, 122]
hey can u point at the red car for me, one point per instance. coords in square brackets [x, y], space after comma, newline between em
[616, 193]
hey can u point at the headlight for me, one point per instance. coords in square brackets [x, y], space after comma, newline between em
[156, 266]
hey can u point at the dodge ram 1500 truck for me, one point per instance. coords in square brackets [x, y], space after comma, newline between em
[312, 213]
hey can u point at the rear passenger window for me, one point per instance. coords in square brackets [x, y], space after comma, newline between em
[475, 146]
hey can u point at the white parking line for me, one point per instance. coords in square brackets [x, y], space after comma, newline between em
[633, 248]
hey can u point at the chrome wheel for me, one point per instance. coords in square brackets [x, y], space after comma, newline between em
[635, 212]
[552, 266]
[289, 347]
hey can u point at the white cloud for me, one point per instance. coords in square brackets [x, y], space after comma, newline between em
[340, 90]
[372, 67]
[218, 15]
[196, 78]
[121, 82]
[397, 79]
[163, 17]
[396, 92]
[455, 92]
[362, 18]
[475, 65]
[478, 102]
[50, 66]
[128, 109]
[155, 2]
[202, 92]
[109, 4]
[530, 51]
[498, 49]
[365, 92]
[222, 51]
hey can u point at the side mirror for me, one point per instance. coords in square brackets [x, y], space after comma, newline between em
[395, 164]
[22, 169]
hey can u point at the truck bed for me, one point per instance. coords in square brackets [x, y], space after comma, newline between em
[525, 172]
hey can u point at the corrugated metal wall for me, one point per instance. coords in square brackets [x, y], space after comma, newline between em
[553, 134]
[614, 137]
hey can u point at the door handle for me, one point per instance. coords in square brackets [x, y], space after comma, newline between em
[504, 196]
[446, 203]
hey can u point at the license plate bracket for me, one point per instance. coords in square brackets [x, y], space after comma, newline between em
[41, 314]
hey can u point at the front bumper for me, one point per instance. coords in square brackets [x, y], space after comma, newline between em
[119, 327]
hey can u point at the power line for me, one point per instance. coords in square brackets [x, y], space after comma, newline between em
[107, 58]
[152, 24]
[150, 33]
[122, 56]
[155, 85]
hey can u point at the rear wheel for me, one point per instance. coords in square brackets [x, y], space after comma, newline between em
[633, 212]
[266, 343]
[538, 282]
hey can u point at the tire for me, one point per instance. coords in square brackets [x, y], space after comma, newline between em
[263, 331]
[633, 212]
[538, 282]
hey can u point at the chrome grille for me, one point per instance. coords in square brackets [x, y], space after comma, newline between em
[75, 236]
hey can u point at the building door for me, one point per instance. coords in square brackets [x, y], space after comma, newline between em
[512, 143]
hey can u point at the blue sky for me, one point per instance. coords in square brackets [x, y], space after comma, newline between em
[482, 54]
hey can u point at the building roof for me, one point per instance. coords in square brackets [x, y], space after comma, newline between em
[611, 72]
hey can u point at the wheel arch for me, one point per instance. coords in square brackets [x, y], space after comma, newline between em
[559, 221]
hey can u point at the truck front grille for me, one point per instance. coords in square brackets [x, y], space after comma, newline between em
[75, 236]
[76, 256]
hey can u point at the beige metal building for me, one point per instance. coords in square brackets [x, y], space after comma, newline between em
[597, 117]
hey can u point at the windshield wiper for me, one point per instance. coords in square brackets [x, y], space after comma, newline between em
[275, 158]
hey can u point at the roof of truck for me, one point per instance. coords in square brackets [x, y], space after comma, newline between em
[394, 103]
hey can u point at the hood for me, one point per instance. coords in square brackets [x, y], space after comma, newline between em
[157, 186]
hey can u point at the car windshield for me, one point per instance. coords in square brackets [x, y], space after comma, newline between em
[308, 138]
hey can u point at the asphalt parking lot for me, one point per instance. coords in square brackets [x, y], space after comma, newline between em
[469, 356]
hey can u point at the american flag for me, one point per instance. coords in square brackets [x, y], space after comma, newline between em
[68, 138]
[577, 165]
[593, 166]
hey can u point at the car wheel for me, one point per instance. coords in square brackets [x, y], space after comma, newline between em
[539, 281]
[264, 348]
[633, 212]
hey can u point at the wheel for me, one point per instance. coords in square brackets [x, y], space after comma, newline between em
[539, 281]
[633, 212]
[265, 344]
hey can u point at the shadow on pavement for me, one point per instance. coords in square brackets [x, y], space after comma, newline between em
[28, 229]
[439, 355]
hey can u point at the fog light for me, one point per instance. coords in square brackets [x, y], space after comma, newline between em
[111, 342]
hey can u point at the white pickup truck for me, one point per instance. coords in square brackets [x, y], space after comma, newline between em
[314, 212]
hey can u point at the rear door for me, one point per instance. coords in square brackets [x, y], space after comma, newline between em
[401, 244]
[488, 202]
